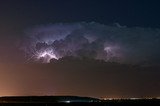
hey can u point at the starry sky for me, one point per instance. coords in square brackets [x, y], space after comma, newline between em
[115, 42]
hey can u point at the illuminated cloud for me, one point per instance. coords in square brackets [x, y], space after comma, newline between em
[46, 55]
[110, 43]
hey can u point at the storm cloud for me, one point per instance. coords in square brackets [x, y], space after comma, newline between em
[92, 40]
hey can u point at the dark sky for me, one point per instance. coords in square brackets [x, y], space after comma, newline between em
[22, 13]
[17, 16]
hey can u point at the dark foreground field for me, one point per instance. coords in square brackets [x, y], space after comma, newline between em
[110, 103]
[73, 101]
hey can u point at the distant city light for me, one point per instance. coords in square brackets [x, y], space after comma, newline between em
[67, 101]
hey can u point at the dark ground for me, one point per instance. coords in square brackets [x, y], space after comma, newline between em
[73, 101]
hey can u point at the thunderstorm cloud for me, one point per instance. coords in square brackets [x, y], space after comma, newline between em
[114, 43]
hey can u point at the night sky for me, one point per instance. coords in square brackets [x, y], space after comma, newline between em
[80, 47]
